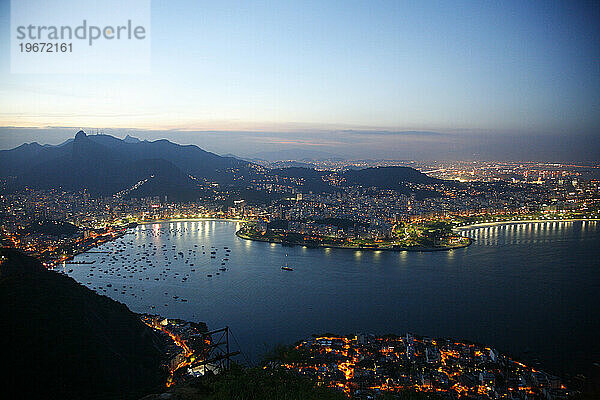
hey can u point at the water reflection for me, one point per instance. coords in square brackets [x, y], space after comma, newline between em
[516, 284]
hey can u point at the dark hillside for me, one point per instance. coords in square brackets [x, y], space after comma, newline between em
[62, 340]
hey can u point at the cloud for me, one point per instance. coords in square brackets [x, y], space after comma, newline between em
[391, 133]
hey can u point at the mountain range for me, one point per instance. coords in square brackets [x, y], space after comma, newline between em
[106, 165]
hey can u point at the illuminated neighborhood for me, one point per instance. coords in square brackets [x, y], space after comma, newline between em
[364, 366]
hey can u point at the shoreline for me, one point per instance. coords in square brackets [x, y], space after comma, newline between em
[162, 221]
[409, 249]
[126, 231]
[70, 258]
[523, 221]
[322, 246]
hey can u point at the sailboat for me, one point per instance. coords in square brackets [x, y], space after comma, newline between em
[285, 267]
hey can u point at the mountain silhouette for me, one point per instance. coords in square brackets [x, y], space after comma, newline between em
[106, 165]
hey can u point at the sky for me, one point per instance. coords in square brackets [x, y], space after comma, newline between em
[368, 79]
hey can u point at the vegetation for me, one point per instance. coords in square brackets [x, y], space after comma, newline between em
[405, 236]
[261, 384]
[253, 383]
[62, 340]
[54, 228]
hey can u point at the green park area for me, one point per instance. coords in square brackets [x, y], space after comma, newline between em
[424, 236]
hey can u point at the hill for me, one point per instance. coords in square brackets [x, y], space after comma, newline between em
[393, 178]
[261, 384]
[62, 340]
[105, 165]
[53, 228]
[387, 177]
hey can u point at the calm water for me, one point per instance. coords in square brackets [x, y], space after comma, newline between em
[531, 290]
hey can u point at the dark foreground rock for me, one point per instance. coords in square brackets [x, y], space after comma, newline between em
[62, 340]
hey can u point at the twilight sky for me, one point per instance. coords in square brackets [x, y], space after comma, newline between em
[370, 79]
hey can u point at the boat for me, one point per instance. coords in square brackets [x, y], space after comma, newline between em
[285, 267]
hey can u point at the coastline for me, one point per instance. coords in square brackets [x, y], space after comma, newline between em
[126, 231]
[162, 221]
[226, 228]
[331, 246]
[523, 221]
[411, 249]
[86, 249]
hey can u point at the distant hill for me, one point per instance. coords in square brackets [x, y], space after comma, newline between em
[312, 180]
[131, 139]
[398, 179]
[230, 155]
[394, 178]
[53, 228]
[106, 165]
[16, 161]
[60, 340]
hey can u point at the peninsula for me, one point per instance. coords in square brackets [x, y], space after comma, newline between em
[334, 233]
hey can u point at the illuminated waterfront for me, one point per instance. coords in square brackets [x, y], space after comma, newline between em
[528, 287]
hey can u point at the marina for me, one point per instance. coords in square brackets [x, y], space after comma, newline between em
[167, 269]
